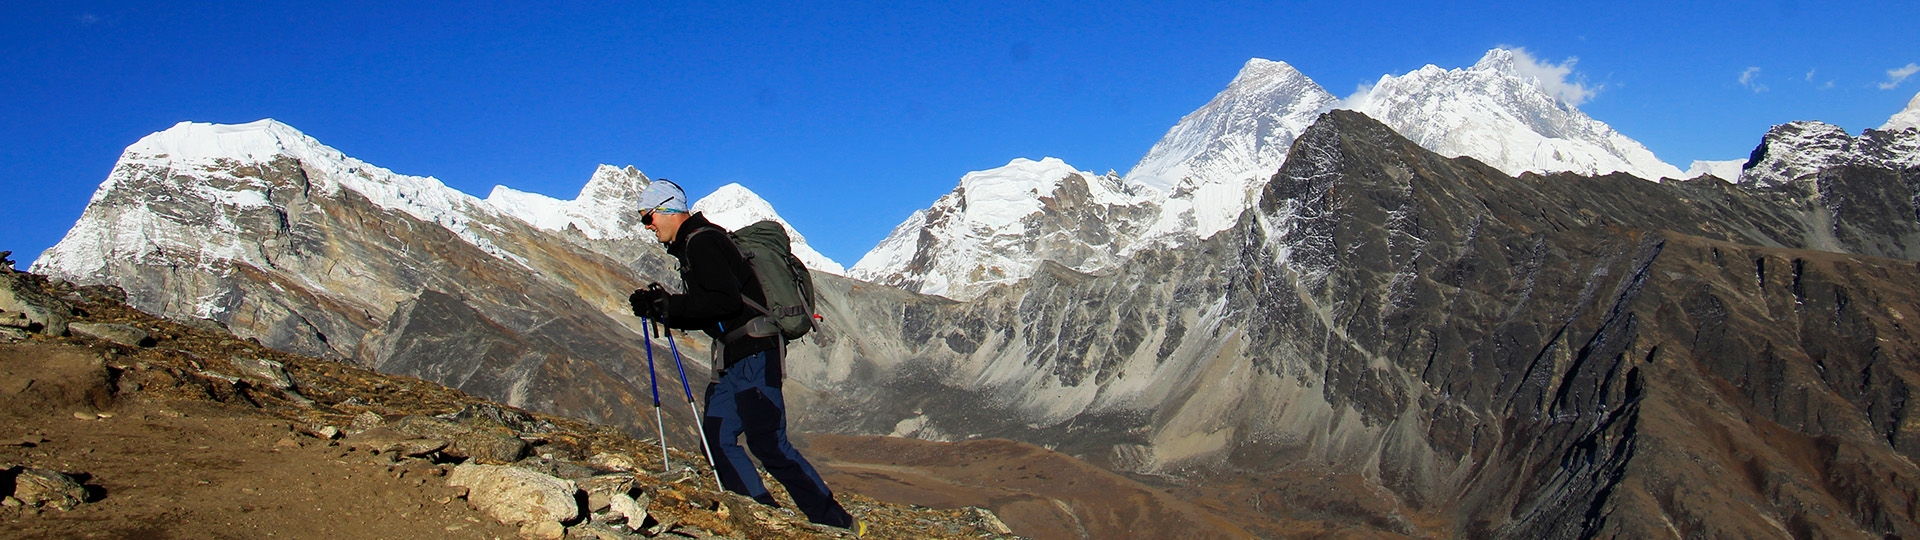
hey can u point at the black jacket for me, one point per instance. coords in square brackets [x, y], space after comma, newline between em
[715, 276]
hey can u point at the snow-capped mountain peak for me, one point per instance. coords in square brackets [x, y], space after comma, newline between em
[734, 206]
[1212, 164]
[604, 209]
[997, 224]
[1727, 169]
[221, 167]
[1796, 152]
[1243, 130]
[1905, 119]
[1508, 111]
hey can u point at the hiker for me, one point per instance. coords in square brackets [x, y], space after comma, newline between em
[744, 396]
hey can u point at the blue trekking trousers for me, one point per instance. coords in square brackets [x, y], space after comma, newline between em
[743, 400]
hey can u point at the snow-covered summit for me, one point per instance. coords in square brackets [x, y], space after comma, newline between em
[214, 170]
[997, 224]
[603, 210]
[734, 206]
[1244, 130]
[1505, 112]
[1905, 119]
[1728, 169]
[1212, 164]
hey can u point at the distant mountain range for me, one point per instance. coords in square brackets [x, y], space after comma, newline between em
[1213, 164]
[1360, 334]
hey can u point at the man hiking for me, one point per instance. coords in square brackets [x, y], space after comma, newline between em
[744, 396]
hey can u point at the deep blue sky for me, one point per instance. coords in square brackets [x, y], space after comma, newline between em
[848, 117]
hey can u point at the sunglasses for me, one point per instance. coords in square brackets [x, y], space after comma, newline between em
[646, 216]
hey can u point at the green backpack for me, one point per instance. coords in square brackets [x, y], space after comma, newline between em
[783, 278]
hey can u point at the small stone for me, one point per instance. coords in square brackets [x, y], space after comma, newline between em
[287, 442]
[85, 416]
[598, 502]
[329, 433]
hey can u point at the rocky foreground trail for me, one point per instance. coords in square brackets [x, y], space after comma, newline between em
[118, 424]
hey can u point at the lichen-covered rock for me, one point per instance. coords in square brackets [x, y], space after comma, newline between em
[42, 487]
[122, 334]
[517, 496]
[264, 371]
[387, 440]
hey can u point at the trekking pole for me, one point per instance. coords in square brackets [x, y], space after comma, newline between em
[660, 426]
[697, 417]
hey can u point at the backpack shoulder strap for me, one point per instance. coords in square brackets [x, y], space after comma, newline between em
[744, 256]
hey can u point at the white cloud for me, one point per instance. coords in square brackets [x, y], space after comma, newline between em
[1898, 75]
[1553, 78]
[1810, 75]
[1749, 77]
[1358, 97]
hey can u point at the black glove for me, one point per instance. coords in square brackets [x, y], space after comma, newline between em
[649, 303]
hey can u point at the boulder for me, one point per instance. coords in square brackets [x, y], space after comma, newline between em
[365, 421]
[544, 530]
[633, 511]
[42, 487]
[517, 496]
[387, 440]
[427, 426]
[614, 462]
[607, 484]
[19, 294]
[263, 371]
[122, 334]
[990, 522]
[487, 445]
